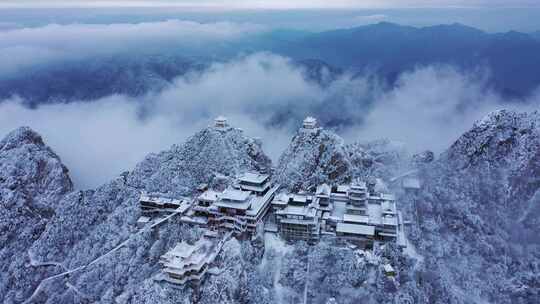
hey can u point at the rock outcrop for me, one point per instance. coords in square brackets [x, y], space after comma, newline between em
[378, 158]
[313, 157]
[32, 182]
[210, 153]
[477, 214]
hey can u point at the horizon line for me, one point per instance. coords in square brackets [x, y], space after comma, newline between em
[238, 7]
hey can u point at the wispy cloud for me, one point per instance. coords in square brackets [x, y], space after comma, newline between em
[265, 94]
[25, 47]
[431, 107]
[428, 109]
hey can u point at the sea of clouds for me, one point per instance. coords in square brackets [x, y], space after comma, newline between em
[265, 94]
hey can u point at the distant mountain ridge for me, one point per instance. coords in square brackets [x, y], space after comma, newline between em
[391, 49]
[90, 79]
[386, 49]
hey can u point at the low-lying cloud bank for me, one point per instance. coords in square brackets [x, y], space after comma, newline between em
[267, 96]
[23, 48]
[432, 106]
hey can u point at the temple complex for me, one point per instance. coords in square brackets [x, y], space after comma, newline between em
[252, 204]
[350, 212]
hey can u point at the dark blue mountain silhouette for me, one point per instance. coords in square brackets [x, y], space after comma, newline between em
[512, 58]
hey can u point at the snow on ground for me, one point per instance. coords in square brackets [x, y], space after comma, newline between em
[410, 250]
[273, 243]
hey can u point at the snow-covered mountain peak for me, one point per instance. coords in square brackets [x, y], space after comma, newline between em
[218, 150]
[27, 162]
[19, 137]
[479, 206]
[32, 182]
[314, 156]
[89, 223]
[87, 246]
[498, 117]
[503, 137]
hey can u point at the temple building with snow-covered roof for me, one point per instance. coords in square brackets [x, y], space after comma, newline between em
[254, 182]
[310, 124]
[349, 212]
[154, 203]
[241, 207]
[297, 218]
[186, 262]
[221, 122]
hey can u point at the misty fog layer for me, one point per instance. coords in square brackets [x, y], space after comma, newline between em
[27, 48]
[267, 96]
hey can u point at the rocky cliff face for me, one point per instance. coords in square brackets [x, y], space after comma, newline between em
[210, 153]
[32, 182]
[478, 212]
[379, 158]
[321, 156]
[503, 138]
[313, 157]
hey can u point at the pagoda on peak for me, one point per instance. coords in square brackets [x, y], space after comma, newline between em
[221, 122]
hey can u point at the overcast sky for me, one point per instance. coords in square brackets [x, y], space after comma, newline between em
[274, 4]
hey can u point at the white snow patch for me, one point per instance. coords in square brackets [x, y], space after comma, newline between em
[273, 241]
[411, 251]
